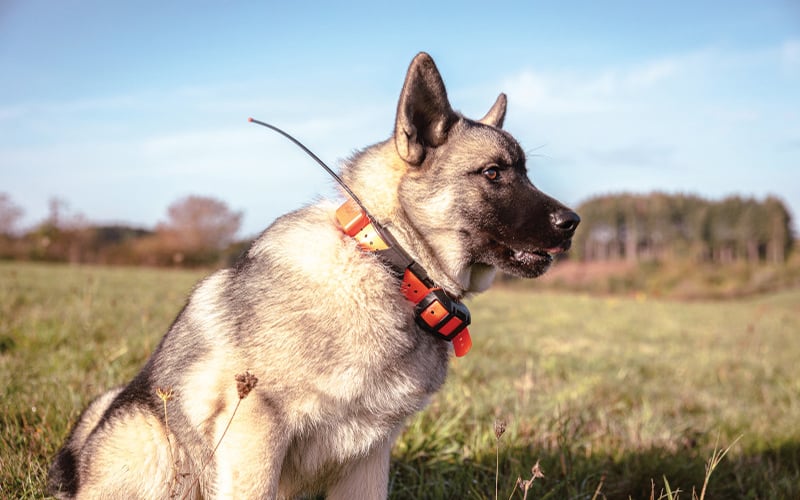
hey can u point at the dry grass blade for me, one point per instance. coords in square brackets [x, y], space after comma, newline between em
[245, 382]
[599, 487]
[499, 430]
[716, 457]
[526, 484]
[165, 395]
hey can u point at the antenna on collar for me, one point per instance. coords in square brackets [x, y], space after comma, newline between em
[394, 254]
[316, 158]
[434, 311]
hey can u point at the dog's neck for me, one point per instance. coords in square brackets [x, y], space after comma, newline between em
[445, 266]
[434, 310]
[460, 279]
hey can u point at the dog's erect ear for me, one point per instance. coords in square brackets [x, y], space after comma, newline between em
[497, 114]
[424, 115]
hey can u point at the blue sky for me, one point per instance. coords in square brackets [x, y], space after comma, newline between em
[120, 108]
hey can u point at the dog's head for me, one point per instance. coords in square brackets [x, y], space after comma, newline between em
[466, 181]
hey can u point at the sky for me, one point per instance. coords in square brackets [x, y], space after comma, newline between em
[121, 108]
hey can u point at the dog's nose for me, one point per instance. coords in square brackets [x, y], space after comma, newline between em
[565, 220]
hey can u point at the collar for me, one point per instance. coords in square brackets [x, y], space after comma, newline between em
[434, 311]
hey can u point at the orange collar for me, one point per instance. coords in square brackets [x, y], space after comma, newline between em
[434, 311]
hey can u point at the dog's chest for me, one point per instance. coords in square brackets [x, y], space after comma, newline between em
[345, 421]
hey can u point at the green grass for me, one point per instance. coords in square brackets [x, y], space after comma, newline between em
[630, 396]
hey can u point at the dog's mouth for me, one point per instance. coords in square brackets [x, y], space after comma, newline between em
[527, 262]
[530, 257]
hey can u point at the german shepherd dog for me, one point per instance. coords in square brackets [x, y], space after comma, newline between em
[293, 372]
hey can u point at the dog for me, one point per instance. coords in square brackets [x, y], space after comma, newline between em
[293, 371]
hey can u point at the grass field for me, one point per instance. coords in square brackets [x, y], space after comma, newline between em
[615, 397]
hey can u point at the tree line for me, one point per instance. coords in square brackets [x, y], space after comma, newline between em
[659, 226]
[198, 231]
[201, 231]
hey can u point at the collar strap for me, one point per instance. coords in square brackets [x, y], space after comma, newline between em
[435, 311]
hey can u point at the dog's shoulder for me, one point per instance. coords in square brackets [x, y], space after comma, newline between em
[309, 244]
[311, 269]
[300, 238]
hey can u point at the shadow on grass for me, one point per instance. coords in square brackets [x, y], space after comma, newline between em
[443, 473]
[767, 474]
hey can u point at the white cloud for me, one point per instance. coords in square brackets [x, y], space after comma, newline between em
[790, 55]
[653, 73]
[195, 142]
[591, 92]
[12, 112]
[553, 93]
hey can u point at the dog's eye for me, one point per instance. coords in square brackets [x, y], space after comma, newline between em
[492, 173]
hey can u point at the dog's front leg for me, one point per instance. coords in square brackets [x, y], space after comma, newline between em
[368, 477]
[250, 454]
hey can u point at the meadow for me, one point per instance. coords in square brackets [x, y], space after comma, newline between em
[613, 396]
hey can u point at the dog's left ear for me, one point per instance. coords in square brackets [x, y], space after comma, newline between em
[497, 114]
[424, 115]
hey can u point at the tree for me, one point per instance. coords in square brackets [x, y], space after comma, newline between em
[656, 226]
[780, 236]
[200, 224]
[10, 214]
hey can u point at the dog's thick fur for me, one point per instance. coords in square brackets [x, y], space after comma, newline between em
[322, 325]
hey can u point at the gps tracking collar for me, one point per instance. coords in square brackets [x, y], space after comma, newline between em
[435, 311]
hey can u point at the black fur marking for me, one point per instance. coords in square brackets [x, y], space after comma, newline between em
[138, 392]
[62, 477]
